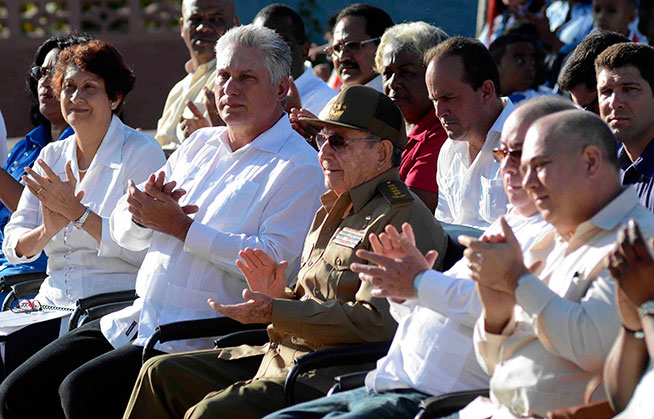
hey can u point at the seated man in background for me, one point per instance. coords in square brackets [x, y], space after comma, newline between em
[577, 76]
[628, 372]
[356, 35]
[360, 147]
[314, 93]
[201, 24]
[625, 88]
[400, 61]
[464, 87]
[238, 182]
[432, 351]
[541, 353]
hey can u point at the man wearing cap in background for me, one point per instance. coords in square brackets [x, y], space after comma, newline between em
[361, 143]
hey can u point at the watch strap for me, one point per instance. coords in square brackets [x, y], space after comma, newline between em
[79, 223]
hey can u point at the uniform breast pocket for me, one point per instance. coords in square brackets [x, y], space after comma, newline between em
[236, 203]
[493, 199]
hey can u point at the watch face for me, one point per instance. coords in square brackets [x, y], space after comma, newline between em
[646, 309]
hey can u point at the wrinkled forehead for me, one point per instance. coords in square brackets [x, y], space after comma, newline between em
[346, 133]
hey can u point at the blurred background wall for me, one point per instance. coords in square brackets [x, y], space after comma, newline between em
[147, 33]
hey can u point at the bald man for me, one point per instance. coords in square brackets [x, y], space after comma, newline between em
[202, 23]
[541, 354]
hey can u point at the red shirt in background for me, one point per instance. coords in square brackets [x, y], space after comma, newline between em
[420, 158]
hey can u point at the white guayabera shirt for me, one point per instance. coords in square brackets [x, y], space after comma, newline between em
[78, 266]
[471, 193]
[263, 195]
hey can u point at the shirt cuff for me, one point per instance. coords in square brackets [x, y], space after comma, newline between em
[533, 295]
[432, 287]
[10, 244]
[107, 247]
[287, 315]
[199, 240]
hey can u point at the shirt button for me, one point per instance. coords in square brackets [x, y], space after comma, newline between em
[15, 163]
[310, 263]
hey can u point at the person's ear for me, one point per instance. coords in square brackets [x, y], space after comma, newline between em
[592, 158]
[305, 51]
[235, 21]
[487, 91]
[384, 152]
[116, 101]
[282, 88]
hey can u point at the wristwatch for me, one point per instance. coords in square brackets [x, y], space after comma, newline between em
[646, 309]
[79, 223]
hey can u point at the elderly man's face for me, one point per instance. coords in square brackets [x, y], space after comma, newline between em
[202, 23]
[457, 104]
[244, 93]
[355, 64]
[553, 176]
[626, 103]
[513, 135]
[349, 166]
[404, 82]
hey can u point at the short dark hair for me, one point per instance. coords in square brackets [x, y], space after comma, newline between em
[102, 59]
[60, 42]
[478, 64]
[629, 53]
[377, 20]
[282, 10]
[580, 67]
[498, 47]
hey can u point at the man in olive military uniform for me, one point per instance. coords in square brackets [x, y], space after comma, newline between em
[361, 143]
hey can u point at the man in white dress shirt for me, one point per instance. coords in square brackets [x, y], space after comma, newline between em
[314, 93]
[201, 24]
[254, 183]
[541, 354]
[432, 351]
[464, 86]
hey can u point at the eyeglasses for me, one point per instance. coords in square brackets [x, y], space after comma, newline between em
[500, 153]
[291, 43]
[353, 46]
[39, 72]
[338, 142]
[27, 306]
[591, 105]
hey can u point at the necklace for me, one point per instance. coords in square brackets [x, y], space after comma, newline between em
[82, 171]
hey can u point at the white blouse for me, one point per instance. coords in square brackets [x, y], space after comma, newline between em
[78, 266]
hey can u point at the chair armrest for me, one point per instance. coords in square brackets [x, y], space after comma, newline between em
[332, 357]
[193, 329]
[94, 313]
[252, 337]
[109, 298]
[446, 404]
[7, 281]
[347, 382]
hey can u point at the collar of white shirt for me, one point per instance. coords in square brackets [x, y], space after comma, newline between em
[109, 153]
[271, 140]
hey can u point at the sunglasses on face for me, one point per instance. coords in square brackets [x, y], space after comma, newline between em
[352, 46]
[39, 72]
[500, 153]
[338, 142]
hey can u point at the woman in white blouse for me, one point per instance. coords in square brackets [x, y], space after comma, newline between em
[76, 182]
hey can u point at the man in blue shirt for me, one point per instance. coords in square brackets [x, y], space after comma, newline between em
[625, 88]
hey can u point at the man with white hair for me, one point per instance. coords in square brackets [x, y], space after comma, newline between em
[237, 183]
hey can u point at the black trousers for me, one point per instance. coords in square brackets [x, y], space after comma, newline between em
[79, 375]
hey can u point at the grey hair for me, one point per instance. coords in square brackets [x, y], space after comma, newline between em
[415, 37]
[276, 56]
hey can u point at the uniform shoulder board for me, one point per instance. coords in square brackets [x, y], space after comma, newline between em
[395, 192]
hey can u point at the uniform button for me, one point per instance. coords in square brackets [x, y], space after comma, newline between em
[15, 163]
[26, 154]
[368, 217]
[338, 261]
